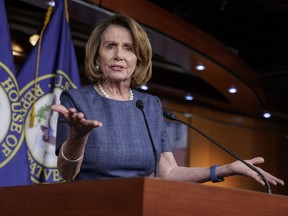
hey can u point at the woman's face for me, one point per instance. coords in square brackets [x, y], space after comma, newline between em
[117, 59]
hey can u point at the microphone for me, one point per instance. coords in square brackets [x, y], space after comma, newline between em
[173, 117]
[140, 105]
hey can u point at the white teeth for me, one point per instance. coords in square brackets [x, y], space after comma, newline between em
[117, 67]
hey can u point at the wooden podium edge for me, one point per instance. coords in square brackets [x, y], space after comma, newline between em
[137, 196]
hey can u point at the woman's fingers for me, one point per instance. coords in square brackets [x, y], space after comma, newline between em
[269, 177]
[257, 160]
[76, 119]
[60, 109]
[241, 168]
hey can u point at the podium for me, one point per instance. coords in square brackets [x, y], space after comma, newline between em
[137, 197]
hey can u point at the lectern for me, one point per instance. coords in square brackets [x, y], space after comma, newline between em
[137, 197]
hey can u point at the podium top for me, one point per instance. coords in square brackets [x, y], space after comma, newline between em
[137, 196]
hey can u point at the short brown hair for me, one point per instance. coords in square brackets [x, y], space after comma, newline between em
[142, 49]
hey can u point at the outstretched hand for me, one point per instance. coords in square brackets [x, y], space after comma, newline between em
[239, 168]
[78, 123]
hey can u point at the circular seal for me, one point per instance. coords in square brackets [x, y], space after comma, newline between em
[11, 127]
[41, 137]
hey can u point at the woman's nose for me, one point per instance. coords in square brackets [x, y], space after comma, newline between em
[118, 55]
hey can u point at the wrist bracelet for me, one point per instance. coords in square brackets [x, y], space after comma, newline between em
[213, 175]
[67, 159]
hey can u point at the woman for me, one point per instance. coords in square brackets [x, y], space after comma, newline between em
[118, 55]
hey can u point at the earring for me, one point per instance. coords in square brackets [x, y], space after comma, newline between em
[97, 68]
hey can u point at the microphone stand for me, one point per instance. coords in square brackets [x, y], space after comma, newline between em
[173, 117]
[140, 105]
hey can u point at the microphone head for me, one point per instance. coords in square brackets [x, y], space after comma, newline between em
[170, 115]
[140, 104]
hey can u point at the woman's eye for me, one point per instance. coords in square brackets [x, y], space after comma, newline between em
[110, 46]
[128, 48]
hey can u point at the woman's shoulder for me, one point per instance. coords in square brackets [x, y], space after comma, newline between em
[79, 94]
[84, 90]
[79, 97]
[146, 97]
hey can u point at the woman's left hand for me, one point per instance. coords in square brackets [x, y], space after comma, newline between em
[239, 168]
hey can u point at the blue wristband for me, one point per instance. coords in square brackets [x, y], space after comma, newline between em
[213, 175]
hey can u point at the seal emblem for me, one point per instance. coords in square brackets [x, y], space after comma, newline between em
[41, 138]
[11, 126]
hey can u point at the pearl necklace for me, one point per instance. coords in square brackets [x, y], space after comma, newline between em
[104, 93]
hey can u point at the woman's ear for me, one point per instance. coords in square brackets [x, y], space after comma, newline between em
[97, 65]
[97, 60]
